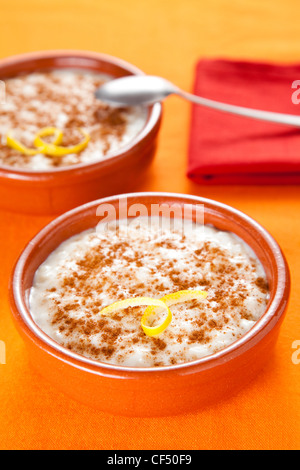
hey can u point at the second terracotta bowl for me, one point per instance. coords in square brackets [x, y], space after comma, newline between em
[163, 390]
[55, 192]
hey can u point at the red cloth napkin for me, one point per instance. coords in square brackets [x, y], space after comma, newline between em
[228, 149]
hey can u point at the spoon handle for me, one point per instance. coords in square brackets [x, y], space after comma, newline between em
[287, 119]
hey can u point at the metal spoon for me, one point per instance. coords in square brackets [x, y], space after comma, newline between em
[145, 90]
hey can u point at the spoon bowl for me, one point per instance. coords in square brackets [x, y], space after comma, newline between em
[135, 90]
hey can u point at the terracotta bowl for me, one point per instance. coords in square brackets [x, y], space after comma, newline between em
[54, 192]
[164, 390]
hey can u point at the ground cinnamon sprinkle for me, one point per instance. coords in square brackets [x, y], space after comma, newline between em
[105, 269]
[262, 284]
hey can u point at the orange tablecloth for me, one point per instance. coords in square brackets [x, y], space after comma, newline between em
[164, 38]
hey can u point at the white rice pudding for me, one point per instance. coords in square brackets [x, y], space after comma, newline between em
[96, 268]
[65, 100]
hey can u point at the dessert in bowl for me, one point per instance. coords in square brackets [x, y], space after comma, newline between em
[226, 284]
[215, 296]
[64, 100]
[59, 145]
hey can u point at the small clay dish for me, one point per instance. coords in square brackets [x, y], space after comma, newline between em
[162, 390]
[54, 192]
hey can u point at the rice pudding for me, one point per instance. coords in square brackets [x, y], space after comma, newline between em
[97, 268]
[64, 100]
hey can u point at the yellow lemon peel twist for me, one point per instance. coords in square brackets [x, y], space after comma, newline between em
[152, 306]
[53, 149]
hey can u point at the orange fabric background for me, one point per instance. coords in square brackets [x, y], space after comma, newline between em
[164, 38]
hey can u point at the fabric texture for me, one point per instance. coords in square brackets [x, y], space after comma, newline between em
[225, 148]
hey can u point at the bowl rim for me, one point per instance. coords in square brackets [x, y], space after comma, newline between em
[266, 323]
[152, 120]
